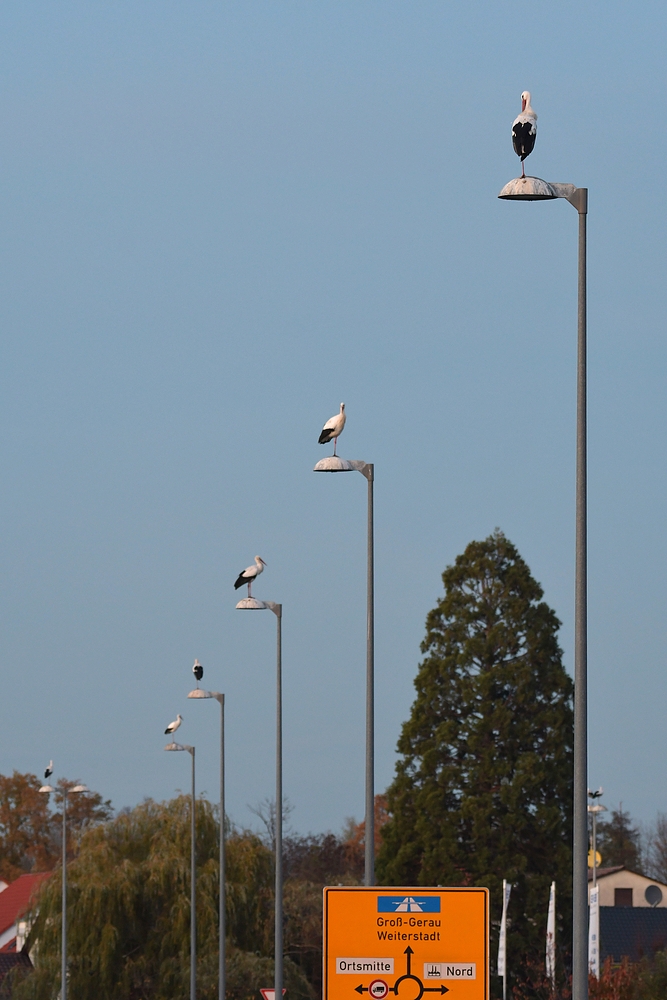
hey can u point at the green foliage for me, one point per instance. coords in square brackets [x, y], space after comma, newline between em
[129, 910]
[483, 789]
[618, 841]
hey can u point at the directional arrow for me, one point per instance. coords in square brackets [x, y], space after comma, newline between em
[436, 989]
[409, 952]
[361, 989]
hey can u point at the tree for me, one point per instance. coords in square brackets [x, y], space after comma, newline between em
[129, 911]
[657, 849]
[618, 841]
[354, 836]
[26, 830]
[31, 835]
[483, 788]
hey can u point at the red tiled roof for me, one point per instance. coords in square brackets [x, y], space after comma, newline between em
[16, 898]
[601, 872]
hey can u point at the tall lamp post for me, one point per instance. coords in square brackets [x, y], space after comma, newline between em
[198, 693]
[595, 809]
[46, 789]
[193, 871]
[535, 189]
[335, 464]
[251, 604]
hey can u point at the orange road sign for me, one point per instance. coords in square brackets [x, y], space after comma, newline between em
[406, 942]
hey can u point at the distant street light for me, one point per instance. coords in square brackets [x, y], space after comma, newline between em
[595, 809]
[45, 790]
[336, 464]
[252, 604]
[535, 189]
[193, 872]
[198, 693]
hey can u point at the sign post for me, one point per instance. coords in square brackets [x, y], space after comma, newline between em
[406, 942]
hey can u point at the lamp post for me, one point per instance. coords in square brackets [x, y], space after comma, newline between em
[198, 693]
[595, 809]
[251, 604]
[335, 464]
[535, 189]
[193, 870]
[46, 789]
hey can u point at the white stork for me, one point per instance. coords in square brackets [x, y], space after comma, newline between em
[49, 771]
[524, 130]
[333, 428]
[198, 671]
[173, 726]
[249, 574]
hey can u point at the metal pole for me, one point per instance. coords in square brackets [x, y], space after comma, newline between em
[595, 860]
[193, 886]
[221, 950]
[369, 826]
[63, 955]
[279, 807]
[580, 844]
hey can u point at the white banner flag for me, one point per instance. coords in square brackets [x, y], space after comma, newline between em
[502, 940]
[550, 962]
[594, 932]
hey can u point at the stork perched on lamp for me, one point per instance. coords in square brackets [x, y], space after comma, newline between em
[333, 428]
[524, 130]
[173, 726]
[198, 671]
[249, 574]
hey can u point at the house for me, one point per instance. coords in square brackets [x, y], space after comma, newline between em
[619, 886]
[15, 901]
[633, 914]
[10, 960]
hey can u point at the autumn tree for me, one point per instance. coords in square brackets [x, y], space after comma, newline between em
[483, 787]
[26, 828]
[30, 834]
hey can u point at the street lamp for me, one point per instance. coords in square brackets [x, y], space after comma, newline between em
[251, 604]
[535, 189]
[45, 790]
[335, 464]
[595, 809]
[193, 834]
[198, 693]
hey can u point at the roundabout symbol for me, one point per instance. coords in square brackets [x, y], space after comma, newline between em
[378, 989]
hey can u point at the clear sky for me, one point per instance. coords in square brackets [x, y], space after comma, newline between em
[217, 221]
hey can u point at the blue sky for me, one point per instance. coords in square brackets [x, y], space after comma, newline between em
[217, 221]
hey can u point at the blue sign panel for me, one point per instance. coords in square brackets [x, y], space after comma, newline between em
[408, 904]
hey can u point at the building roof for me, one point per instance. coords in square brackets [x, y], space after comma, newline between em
[16, 898]
[601, 872]
[632, 931]
[9, 961]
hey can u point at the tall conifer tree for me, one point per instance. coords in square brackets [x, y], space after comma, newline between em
[483, 789]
